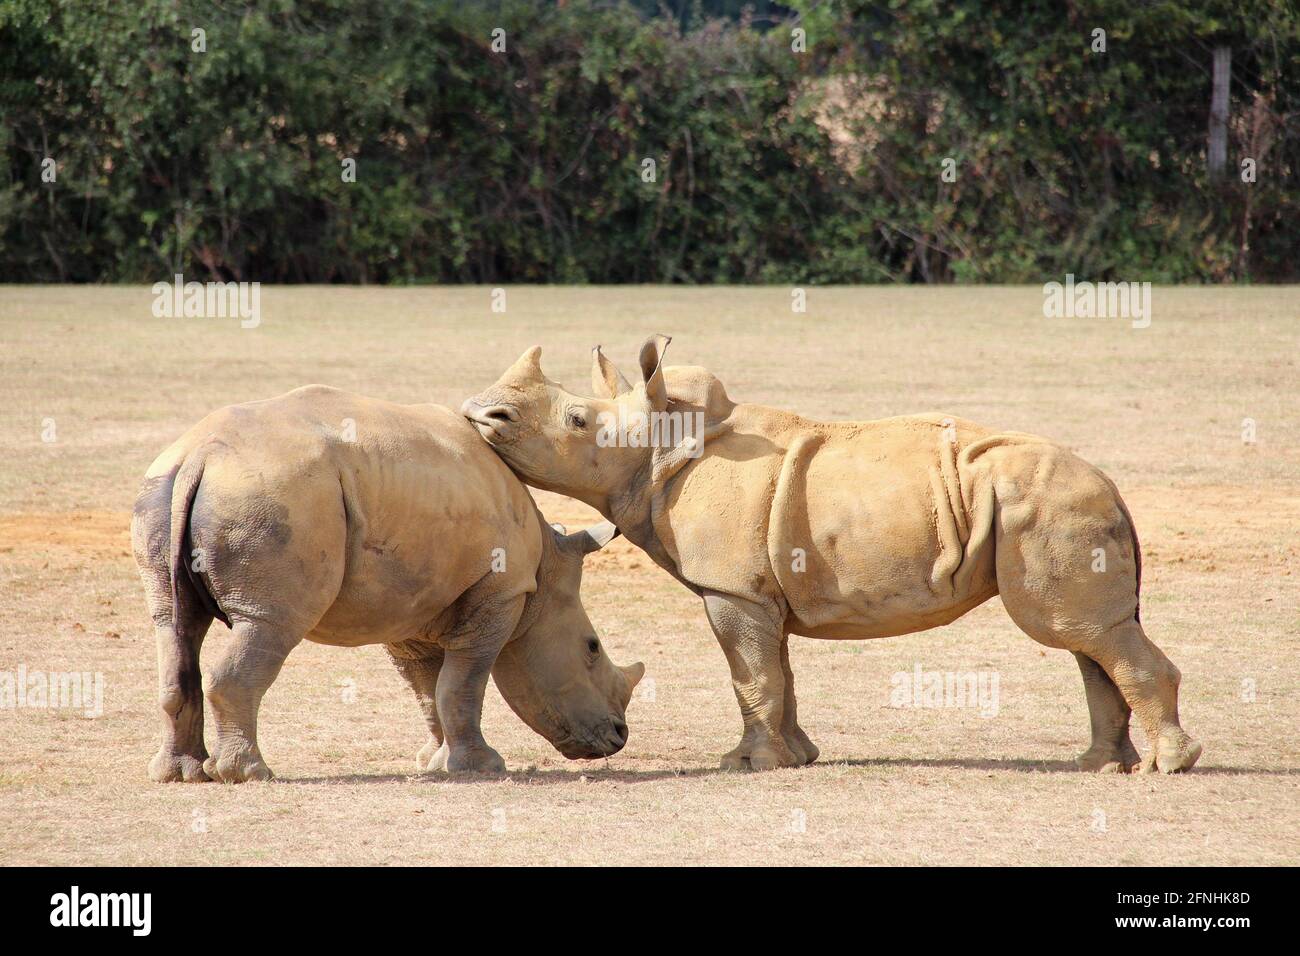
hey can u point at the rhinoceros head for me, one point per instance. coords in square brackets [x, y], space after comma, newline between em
[559, 441]
[556, 675]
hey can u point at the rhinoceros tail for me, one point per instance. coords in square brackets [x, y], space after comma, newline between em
[187, 585]
[1137, 556]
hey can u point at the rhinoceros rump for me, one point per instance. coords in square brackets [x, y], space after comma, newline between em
[851, 530]
[348, 521]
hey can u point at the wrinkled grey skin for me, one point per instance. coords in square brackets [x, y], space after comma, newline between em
[344, 520]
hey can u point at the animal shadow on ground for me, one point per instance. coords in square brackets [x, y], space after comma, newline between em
[1035, 766]
[597, 773]
[594, 774]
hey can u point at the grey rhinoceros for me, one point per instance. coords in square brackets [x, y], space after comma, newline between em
[848, 530]
[344, 520]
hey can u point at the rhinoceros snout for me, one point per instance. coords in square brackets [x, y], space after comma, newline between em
[620, 733]
[615, 738]
[495, 421]
[601, 743]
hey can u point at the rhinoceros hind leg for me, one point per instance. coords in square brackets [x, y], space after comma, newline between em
[1067, 570]
[419, 663]
[168, 767]
[235, 689]
[1149, 682]
[180, 696]
[1111, 751]
[804, 750]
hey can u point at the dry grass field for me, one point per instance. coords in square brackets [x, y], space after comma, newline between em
[1161, 409]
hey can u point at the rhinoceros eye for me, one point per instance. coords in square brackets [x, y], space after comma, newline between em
[577, 419]
[593, 646]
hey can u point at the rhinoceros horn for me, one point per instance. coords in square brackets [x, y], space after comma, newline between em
[588, 539]
[633, 674]
[527, 366]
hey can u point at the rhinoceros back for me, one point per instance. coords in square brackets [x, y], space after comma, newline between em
[388, 513]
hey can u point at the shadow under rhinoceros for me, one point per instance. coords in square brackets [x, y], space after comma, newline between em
[612, 775]
[546, 777]
[1030, 766]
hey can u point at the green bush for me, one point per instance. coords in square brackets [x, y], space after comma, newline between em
[527, 166]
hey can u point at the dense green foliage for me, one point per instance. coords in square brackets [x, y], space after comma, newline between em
[1074, 160]
[528, 165]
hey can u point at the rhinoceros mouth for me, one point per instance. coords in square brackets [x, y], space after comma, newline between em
[586, 751]
[496, 423]
[573, 743]
[584, 746]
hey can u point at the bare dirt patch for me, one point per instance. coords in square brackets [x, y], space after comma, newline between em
[87, 533]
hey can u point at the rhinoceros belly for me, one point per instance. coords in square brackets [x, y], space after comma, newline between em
[870, 535]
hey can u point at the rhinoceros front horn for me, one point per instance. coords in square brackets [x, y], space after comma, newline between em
[633, 674]
[589, 539]
[527, 367]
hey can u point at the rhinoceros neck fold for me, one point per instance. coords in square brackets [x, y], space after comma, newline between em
[636, 507]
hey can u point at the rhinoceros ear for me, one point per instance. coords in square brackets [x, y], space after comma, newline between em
[606, 380]
[589, 539]
[652, 370]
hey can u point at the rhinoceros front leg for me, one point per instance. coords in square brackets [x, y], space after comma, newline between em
[461, 685]
[419, 664]
[752, 637]
[469, 652]
[236, 687]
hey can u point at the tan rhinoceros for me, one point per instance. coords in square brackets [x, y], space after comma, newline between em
[848, 530]
[349, 521]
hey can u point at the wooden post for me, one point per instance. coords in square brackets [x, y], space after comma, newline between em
[1217, 153]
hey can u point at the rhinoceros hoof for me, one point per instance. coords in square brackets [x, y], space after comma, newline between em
[1173, 753]
[767, 757]
[804, 750]
[479, 760]
[424, 759]
[167, 767]
[796, 750]
[239, 766]
[1090, 764]
[735, 760]
[430, 762]
[1107, 760]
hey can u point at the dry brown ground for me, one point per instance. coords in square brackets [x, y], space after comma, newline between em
[1160, 409]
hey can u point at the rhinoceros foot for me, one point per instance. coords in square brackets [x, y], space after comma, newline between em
[432, 756]
[1109, 758]
[1174, 752]
[237, 765]
[168, 767]
[766, 757]
[761, 757]
[467, 760]
[801, 746]
[792, 750]
[737, 759]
